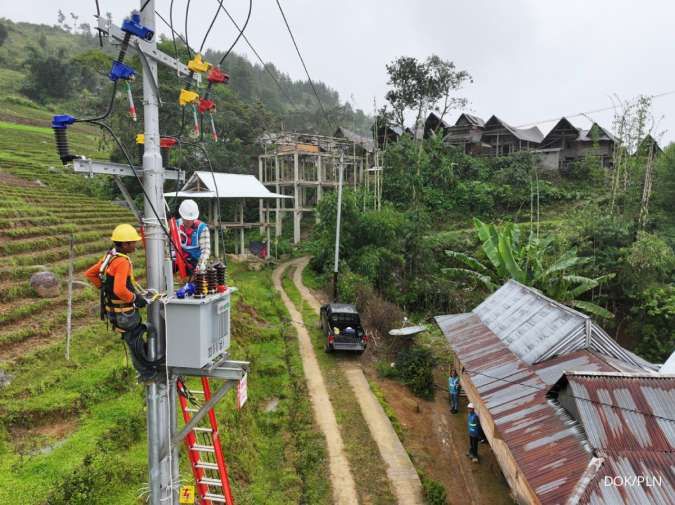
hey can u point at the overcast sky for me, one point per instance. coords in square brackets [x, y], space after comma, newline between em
[532, 60]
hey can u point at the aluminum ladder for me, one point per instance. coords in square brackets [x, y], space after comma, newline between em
[204, 450]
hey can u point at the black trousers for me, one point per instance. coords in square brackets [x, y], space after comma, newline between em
[473, 446]
[138, 350]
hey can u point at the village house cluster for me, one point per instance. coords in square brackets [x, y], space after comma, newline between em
[564, 145]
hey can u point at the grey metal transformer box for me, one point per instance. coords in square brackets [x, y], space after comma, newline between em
[197, 329]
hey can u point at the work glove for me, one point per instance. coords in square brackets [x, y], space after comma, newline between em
[140, 302]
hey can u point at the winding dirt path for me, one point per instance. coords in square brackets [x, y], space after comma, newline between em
[402, 474]
[342, 481]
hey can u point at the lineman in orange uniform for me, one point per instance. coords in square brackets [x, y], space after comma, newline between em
[121, 297]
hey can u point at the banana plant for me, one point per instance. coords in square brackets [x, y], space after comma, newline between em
[532, 262]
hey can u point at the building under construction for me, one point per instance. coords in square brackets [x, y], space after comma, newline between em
[305, 166]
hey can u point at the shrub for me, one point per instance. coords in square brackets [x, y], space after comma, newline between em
[415, 369]
[434, 492]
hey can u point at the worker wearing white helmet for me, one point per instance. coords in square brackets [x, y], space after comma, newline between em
[475, 433]
[195, 237]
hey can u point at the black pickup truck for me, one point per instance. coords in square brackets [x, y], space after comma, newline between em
[341, 324]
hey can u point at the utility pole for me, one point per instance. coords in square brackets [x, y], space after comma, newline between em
[158, 408]
[337, 229]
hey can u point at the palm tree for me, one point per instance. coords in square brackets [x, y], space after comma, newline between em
[531, 262]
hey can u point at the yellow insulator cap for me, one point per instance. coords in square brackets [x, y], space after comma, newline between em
[187, 96]
[197, 65]
[140, 138]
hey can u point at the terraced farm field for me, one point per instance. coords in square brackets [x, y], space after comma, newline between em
[73, 432]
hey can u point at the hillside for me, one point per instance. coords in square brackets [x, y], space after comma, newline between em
[251, 83]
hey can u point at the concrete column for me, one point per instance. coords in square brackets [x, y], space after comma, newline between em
[277, 214]
[260, 203]
[242, 246]
[297, 204]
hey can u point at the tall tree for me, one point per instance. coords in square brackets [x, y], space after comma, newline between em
[420, 86]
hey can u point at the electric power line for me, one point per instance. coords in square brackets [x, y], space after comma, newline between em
[544, 388]
[187, 15]
[257, 55]
[215, 16]
[241, 30]
[297, 49]
[580, 114]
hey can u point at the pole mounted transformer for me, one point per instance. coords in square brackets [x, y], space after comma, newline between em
[203, 311]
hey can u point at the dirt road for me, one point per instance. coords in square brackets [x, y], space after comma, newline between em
[342, 481]
[401, 473]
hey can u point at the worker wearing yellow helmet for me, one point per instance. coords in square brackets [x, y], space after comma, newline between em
[122, 296]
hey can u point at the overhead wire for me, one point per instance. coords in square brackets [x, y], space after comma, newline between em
[187, 15]
[595, 111]
[135, 172]
[309, 78]
[257, 55]
[215, 16]
[241, 30]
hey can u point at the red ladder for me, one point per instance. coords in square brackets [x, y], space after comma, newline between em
[205, 452]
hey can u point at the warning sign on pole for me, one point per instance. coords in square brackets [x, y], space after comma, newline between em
[242, 391]
[186, 495]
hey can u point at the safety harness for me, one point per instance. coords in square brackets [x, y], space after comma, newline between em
[119, 312]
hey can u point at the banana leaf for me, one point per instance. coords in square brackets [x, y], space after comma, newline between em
[506, 255]
[469, 261]
[592, 308]
[486, 280]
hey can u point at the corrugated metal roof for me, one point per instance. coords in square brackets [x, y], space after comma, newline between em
[537, 328]
[624, 412]
[615, 483]
[547, 448]
[629, 421]
[201, 185]
[366, 142]
[518, 343]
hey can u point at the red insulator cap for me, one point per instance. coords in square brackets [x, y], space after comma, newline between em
[167, 142]
[206, 105]
[216, 76]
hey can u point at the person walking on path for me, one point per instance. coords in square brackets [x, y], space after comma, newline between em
[453, 389]
[474, 433]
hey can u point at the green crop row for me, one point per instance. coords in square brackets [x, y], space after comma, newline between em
[38, 244]
[34, 231]
[44, 329]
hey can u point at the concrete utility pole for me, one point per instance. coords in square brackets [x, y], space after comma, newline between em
[337, 230]
[153, 183]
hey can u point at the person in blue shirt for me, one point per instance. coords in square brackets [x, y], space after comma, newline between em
[475, 433]
[453, 389]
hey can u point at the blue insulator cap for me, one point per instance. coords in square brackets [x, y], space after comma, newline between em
[180, 293]
[133, 26]
[62, 121]
[121, 71]
[190, 289]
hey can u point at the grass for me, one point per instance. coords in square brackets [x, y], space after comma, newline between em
[367, 465]
[274, 457]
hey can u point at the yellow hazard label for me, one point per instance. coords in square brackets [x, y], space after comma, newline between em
[187, 495]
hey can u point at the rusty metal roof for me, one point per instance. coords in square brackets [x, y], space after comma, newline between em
[514, 347]
[537, 328]
[629, 421]
[625, 412]
[615, 482]
[547, 447]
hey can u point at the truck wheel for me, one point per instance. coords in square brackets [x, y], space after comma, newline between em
[328, 348]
